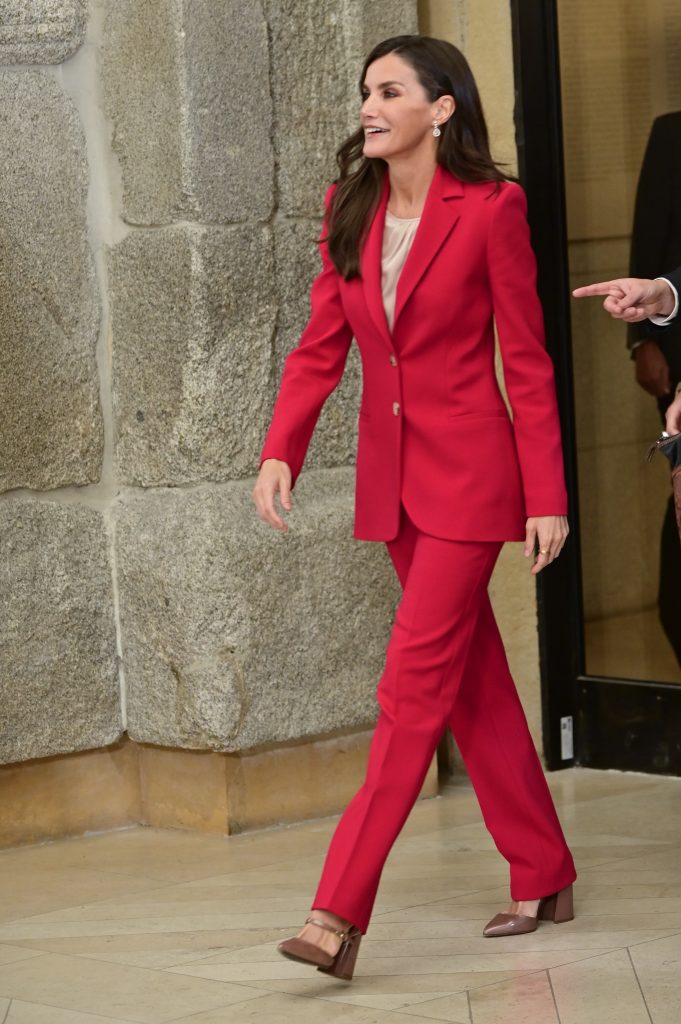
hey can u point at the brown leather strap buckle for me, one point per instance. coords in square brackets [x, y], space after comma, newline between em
[327, 927]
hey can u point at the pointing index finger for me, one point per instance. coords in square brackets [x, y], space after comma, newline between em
[600, 288]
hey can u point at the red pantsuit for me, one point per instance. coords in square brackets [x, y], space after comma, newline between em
[444, 476]
[446, 665]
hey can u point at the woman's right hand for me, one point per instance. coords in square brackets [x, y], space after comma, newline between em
[274, 476]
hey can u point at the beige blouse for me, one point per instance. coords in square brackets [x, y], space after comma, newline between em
[398, 235]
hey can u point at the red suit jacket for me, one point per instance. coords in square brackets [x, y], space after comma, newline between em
[434, 432]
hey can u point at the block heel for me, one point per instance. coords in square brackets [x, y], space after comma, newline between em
[342, 965]
[557, 907]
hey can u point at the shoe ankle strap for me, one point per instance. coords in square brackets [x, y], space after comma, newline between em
[326, 927]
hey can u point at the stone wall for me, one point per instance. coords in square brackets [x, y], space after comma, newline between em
[164, 167]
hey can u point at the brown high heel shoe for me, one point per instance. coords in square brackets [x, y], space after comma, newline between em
[557, 908]
[342, 965]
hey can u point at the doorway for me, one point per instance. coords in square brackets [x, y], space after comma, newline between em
[590, 82]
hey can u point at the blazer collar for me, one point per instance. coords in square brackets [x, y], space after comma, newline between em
[440, 214]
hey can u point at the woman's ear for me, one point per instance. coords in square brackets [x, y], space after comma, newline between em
[443, 108]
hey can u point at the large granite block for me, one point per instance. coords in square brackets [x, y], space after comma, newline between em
[369, 24]
[50, 419]
[58, 666]
[40, 31]
[186, 86]
[193, 314]
[297, 263]
[235, 635]
[317, 52]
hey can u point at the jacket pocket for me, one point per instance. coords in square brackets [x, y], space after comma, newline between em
[482, 416]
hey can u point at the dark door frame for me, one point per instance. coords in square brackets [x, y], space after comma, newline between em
[614, 723]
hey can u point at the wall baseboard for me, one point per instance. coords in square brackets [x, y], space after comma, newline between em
[132, 783]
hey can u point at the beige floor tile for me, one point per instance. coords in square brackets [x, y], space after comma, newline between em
[251, 967]
[221, 899]
[593, 891]
[146, 925]
[10, 954]
[546, 938]
[204, 942]
[300, 874]
[494, 895]
[130, 993]
[578, 788]
[629, 815]
[452, 1008]
[658, 966]
[150, 959]
[165, 855]
[238, 886]
[528, 999]
[603, 856]
[274, 1009]
[613, 923]
[38, 1013]
[611, 842]
[600, 990]
[597, 907]
[136, 909]
[26, 890]
[444, 935]
[220, 1015]
[30, 929]
[624, 875]
[540, 941]
[407, 1002]
[468, 922]
[314, 986]
[651, 859]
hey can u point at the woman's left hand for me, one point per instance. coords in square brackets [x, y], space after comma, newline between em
[550, 532]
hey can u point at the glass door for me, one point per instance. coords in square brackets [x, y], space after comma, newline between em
[594, 81]
[621, 87]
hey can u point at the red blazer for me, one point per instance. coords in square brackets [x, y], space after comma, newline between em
[434, 431]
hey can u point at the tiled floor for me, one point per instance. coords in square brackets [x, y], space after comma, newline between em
[153, 926]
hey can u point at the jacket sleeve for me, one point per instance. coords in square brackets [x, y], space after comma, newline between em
[312, 370]
[528, 369]
[653, 217]
[674, 277]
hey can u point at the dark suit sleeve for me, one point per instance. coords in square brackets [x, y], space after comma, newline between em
[675, 278]
[653, 215]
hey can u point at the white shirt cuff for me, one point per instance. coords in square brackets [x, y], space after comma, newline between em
[662, 321]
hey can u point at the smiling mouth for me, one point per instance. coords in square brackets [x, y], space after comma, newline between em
[375, 131]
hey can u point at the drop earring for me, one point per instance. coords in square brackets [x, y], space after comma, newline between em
[436, 130]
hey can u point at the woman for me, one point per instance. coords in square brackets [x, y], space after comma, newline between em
[443, 477]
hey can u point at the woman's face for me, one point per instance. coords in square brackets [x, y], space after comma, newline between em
[396, 114]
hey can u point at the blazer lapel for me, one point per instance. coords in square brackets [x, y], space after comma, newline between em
[371, 260]
[440, 214]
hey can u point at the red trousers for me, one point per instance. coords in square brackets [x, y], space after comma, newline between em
[446, 666]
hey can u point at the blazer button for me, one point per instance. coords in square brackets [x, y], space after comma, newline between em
[396, 408]
[393, 360]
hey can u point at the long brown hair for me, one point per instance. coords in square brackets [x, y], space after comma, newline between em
[463, 147]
